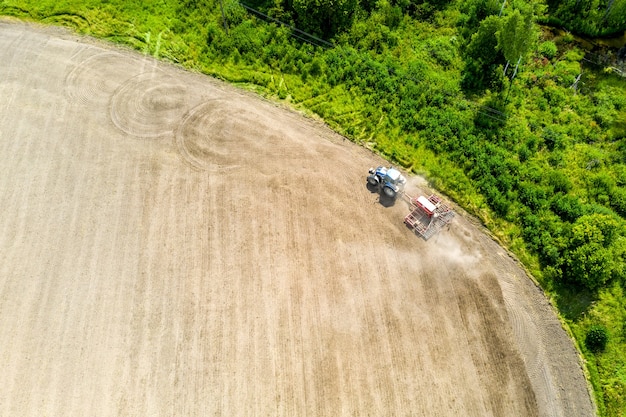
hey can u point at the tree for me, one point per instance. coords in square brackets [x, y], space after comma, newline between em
[590, 17]
[589, 265]
[593, 257]
[567, 207]
[615, 16]
[515, 38]
[482, 57]
[474, 11]
[324, 18]
[597, 338]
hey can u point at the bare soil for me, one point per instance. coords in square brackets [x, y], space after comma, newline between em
[172, 246]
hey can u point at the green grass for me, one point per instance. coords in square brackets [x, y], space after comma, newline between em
[608, 367]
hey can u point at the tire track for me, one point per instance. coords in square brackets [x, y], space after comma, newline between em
[213, 134]
[149, 105]
[94, 80]
[526, 325]
[202, 136]
[492, 351]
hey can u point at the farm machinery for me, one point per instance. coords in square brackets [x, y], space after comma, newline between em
[389, 179]
[427, 215]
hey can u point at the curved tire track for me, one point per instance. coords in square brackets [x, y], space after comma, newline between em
[149, 105]
[206, 134]
[93, 80]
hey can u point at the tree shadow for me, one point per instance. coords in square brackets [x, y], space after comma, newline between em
[491, 116]
[573, 301]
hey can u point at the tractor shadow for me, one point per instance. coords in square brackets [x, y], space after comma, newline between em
[383, 199]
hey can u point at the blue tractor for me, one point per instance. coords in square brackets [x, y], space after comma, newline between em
[390, 179]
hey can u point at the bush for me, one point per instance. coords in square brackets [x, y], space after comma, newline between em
[548, 49]
[442, 49]
[532, 195]
[559, 181]
[567, 207]
[597, 338]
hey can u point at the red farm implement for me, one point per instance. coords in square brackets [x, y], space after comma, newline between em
[428, 215]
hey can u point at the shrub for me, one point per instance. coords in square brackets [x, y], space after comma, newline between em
[567, 207]
[553, 139]
[597, 338]
[559, 181]
[442, 49]
[532, 195]
[524, 153]
[548, 49]
[316, 67]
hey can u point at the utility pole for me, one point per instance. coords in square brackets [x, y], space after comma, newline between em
[223, 16]
[576, 81]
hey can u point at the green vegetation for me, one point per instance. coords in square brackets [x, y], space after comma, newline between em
[589, 17]
[511, 122]
[597, 338]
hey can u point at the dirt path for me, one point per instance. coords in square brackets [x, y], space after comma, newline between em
[172, 246]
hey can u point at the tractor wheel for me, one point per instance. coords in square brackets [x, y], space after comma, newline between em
[372, 180]
[389, 192]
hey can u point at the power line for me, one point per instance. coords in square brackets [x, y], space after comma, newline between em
[300, 34]
[314, 40]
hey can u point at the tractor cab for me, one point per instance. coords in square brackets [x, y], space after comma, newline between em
[393, 176]
[390, 179]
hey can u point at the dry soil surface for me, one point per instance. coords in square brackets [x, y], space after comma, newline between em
[172, 246]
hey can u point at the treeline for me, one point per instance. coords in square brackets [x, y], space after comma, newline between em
[327, 18]
[589, 17]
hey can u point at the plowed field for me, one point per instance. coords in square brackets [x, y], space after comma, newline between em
[172, 246]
